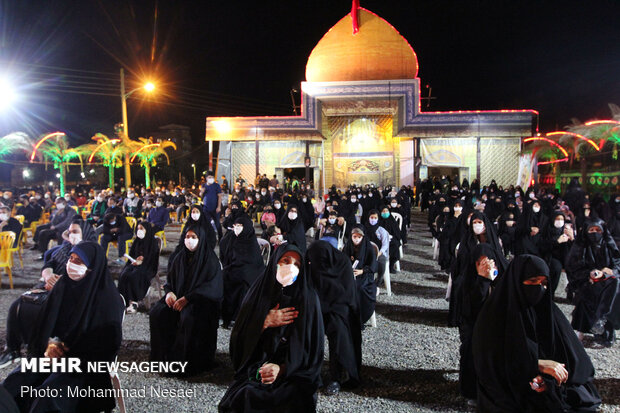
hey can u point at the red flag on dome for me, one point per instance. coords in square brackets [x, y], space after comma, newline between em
[354, 16]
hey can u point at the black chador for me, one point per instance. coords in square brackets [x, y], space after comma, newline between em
[243, 264]
[195, 281]
[297, 348]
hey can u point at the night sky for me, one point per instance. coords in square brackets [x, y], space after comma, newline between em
[212, 58]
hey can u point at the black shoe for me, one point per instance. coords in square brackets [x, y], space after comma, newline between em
[609, 336]
[332, 388]
[8, 357]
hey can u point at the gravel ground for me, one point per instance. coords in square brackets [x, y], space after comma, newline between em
[410, 360]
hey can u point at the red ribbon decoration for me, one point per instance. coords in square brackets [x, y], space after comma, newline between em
[354, 16]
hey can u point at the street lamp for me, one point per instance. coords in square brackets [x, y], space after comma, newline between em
[149, 87]
[194, 166]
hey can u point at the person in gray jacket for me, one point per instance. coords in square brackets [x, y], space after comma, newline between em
[59, 223]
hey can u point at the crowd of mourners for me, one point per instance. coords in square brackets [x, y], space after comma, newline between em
[314, 271]
[505, 250]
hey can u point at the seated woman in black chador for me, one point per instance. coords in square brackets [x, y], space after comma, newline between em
[277, 343]
[24, 311]
[363, 256]
[593, 267]
[197, 216]
[556, 242]
[527, 357]
[333, 280]
[82, 318]
[292, 228]
[134, 281]
[243, 264]
[388, 222]
[184, 322]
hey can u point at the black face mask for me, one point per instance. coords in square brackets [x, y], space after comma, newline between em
[595, 237]
[533, 294]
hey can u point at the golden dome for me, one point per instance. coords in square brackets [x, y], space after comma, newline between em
[376, 52]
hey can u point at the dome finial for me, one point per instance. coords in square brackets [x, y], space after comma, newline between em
[354, 16]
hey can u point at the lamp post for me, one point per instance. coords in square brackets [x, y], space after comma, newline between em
[149, 87]
[194, 166]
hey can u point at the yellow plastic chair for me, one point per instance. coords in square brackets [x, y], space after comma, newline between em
[162, 236]
[132, 222]
[19, 248]
[7, 238]
[20, 218]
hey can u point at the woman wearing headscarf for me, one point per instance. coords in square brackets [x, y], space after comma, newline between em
[506, 230]
[444, 234]
[387, 222]
[593, 265]
[24, 311]
[197, 216]
[480, 230]
[242, 264]
[527, 357]
[332, 277]
[483, 271]
[554, 246]
[584, 213]
[236, 210]
[529, 229]
[277, 342]
[307, 211]
[292, 228]
[364, 261]
[184, 322]
[136, 276]
[81, 319]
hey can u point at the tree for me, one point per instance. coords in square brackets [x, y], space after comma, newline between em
[147, 153]
[109, 151]
[14, 142]
[54, 147]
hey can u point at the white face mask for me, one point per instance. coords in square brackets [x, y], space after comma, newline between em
[195, 216]
[536, 209]
[263, 192]
[76, 271]
[75, 238]
[131, 195]
[558, 223]
[158, 204]
[68, 197]
[370, 194]
[210, 180]
[356, 240]
[4, 217]
[394, 204]
[304, 199]
[140, 233]
[237, 229]
[373, 221]
[191, 243]
[478, 228]
[353, 200]
[292, 216]
[277, 206]
[99, 199]
[532, 195]
[331, 220]
[60, 206]
[458, 209]
[287, 274]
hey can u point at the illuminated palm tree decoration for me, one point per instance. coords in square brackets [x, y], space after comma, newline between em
[606, 133]
[109, 151]
[54, 148]
[14, 142]
[147, 152]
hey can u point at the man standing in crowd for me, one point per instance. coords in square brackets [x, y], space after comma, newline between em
[211, 194]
